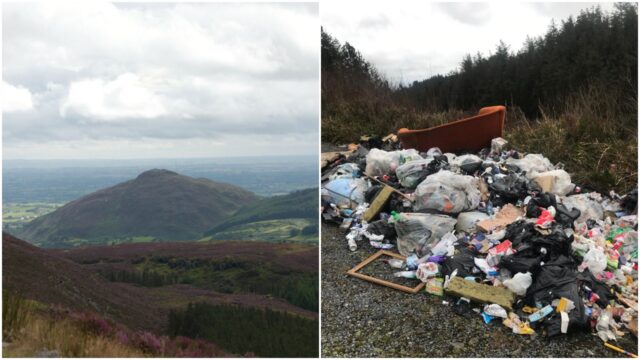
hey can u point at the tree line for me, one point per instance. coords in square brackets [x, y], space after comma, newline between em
[241, 330]
[595, 48]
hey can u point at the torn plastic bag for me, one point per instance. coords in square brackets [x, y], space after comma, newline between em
[590, 209]
[556, 280]
[345, 192]
[541, 200]
[566, 217]
[519, 283]
[413, 172]
[467, 220]
[382, 227]
[527, 259]
[510, 188]
[555, 243]
[595, 259]
[447, 192]
[463, 262]
[531, 164]
[347, 171]
[520, 232]
[418, 232]
[555, 181]
[380, 162]
[467, 164]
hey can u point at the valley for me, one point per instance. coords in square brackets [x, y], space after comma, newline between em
[162, 257]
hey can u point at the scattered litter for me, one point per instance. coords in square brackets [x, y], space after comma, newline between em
[496, 233]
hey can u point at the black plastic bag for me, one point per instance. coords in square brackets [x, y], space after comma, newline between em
[462, 261]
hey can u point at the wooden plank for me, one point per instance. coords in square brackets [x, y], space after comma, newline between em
[354, 272]
[481, 293]
[378, 203]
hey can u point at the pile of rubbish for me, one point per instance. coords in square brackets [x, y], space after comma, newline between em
[508, 235]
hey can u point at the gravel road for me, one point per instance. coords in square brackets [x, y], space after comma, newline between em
[360, 319]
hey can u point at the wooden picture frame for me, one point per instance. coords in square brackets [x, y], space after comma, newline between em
[354, 272]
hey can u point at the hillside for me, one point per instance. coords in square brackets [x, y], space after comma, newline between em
[157, 204]
[141, 285]
[292, 216]
[41, 275]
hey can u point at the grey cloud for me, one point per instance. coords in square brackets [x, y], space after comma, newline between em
[379, 21]
[219, 70]
[467, 13]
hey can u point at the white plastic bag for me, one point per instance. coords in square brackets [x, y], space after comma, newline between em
[418, 232]
[532, 164]
[589, 208]
[519, 283]
[447, 192]
[380, 162]
[463, 161]
[555, 181]
[595, 259]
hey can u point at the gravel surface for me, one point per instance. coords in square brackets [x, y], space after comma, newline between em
[360, 319]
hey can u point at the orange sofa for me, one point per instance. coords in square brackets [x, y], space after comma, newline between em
[470, 134]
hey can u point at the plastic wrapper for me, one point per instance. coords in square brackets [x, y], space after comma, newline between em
[445, 246]
[495, 310]
[380, 162]
[345, 192]
[596, 260]
[418, 232]
[426, 271]
[532, 164]
[519, 283]
[348, 171]
[589, 208]
[447, 192]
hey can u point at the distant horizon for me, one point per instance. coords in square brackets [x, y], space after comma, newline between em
[168, 158]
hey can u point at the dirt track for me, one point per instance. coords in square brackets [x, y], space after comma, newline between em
[360, 319]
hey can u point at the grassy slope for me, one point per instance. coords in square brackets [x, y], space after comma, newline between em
[591, 136]
[269, 230]
[251, 220]
[33, 329]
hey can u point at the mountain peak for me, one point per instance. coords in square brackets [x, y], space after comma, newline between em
[153, 173]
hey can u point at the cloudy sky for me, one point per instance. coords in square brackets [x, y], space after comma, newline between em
[410, 41]
[102, 80]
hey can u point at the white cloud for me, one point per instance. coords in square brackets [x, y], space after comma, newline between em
[15, 98]
[103, 74]
[124, 97]
[423, 39]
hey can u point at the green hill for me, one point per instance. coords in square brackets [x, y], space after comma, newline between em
[291, 217]
[158, 204]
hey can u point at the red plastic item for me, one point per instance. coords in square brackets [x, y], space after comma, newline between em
[470, 134]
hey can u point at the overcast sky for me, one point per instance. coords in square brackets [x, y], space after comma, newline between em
[410, 41]
[101, 80]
